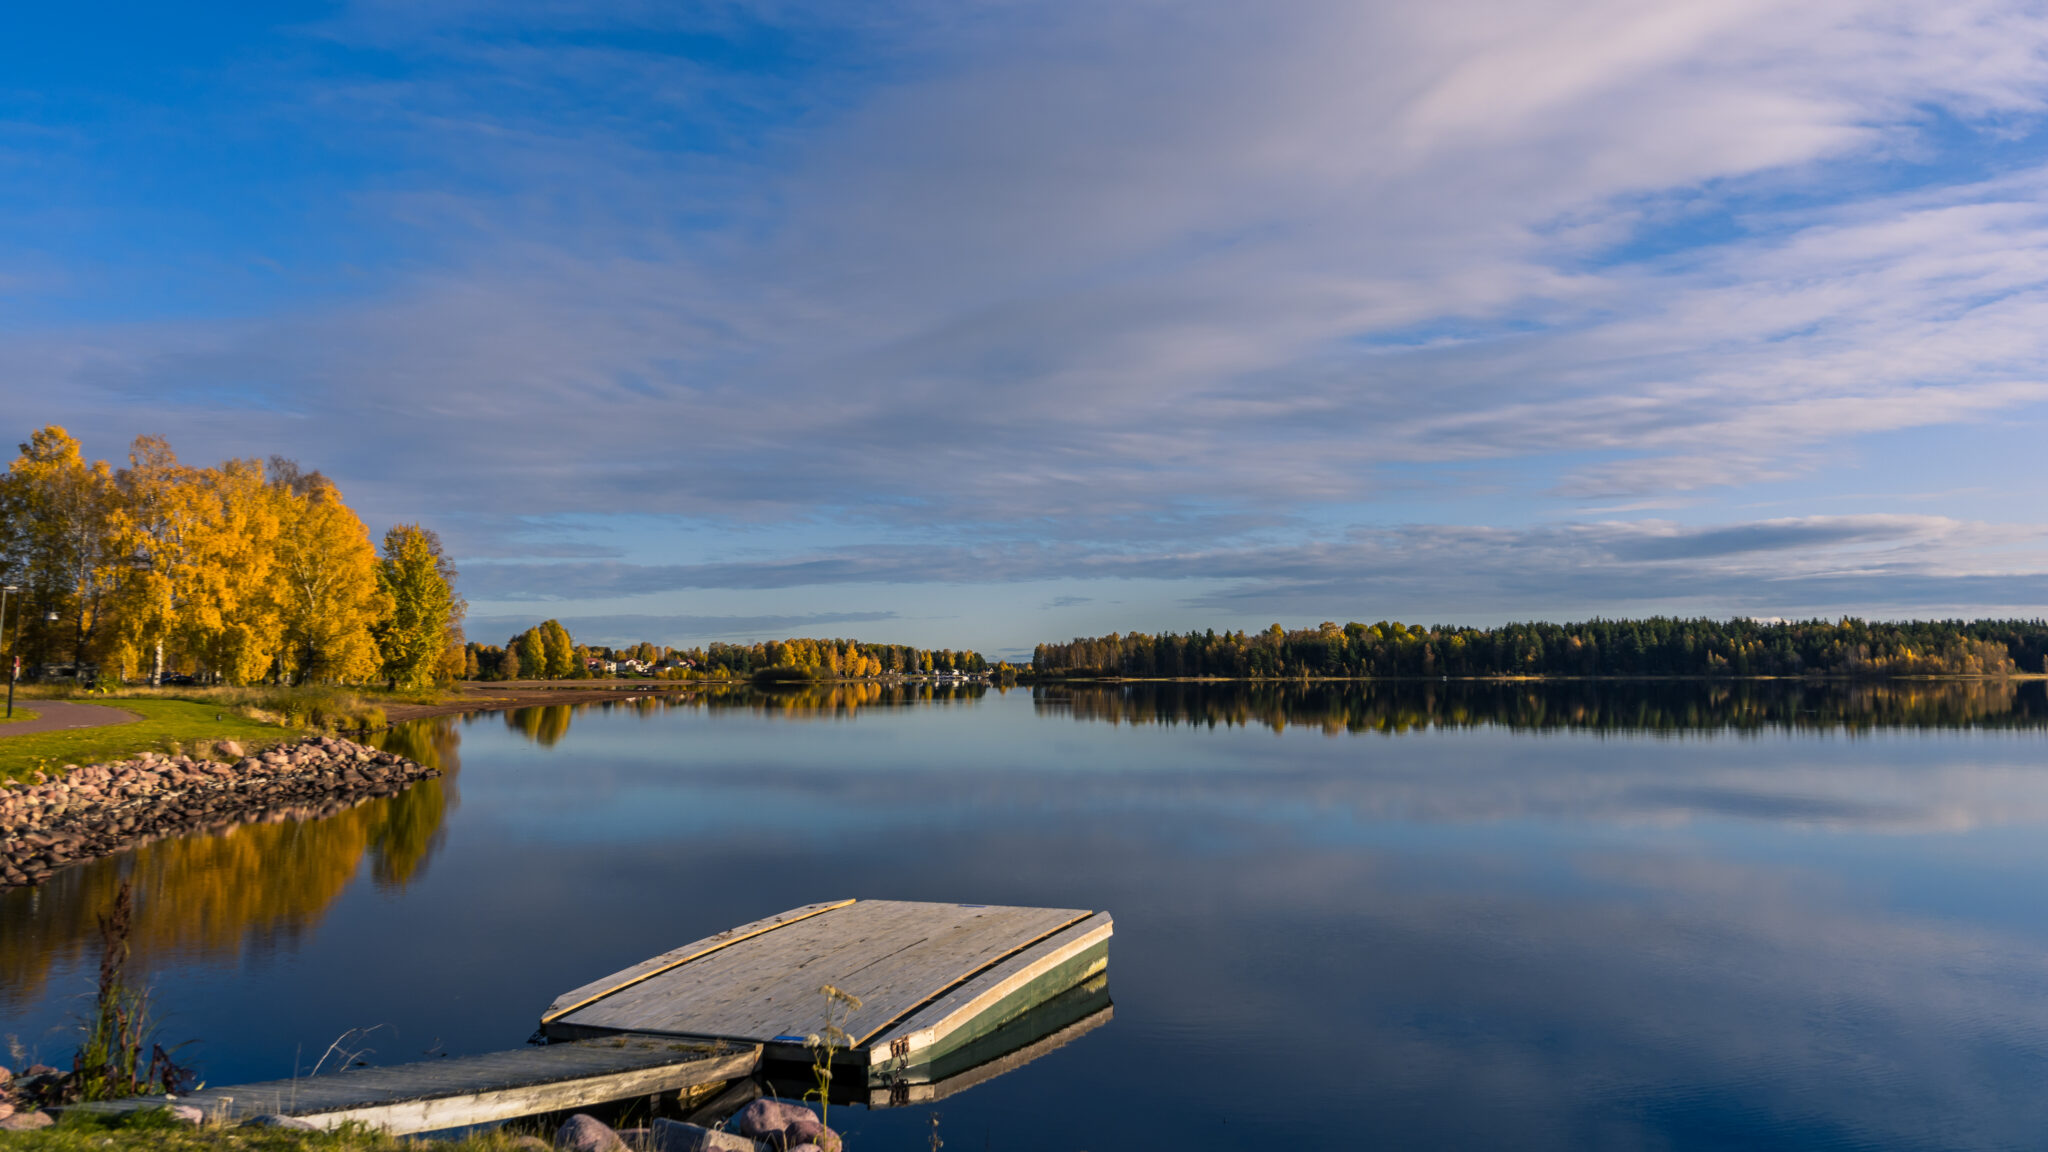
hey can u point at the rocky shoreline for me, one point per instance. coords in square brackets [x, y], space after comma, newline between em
[100, 809]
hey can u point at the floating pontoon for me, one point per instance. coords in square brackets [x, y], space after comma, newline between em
[932, 979]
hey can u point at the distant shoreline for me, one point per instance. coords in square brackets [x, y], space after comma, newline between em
[497, 696]
[1699, 678]
[500, 696]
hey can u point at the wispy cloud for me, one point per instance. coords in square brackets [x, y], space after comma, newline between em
[674, 630]
[1877, 564]
[1120, 286]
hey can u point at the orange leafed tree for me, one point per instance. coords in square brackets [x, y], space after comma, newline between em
[234, 574]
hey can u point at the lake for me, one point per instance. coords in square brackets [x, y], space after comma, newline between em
[1584, 916]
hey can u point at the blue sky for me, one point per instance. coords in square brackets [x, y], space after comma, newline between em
[985, 323]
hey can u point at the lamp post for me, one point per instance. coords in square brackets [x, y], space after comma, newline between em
[14, 668]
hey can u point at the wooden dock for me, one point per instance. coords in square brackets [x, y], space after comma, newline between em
[951, 995]
[439, 1094]
[931, 978]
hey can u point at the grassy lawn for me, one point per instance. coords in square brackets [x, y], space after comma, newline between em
[20, 714]
[165, 723]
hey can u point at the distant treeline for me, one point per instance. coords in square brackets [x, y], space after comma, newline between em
[1659, 646]
[547, 652]
[1660, 706]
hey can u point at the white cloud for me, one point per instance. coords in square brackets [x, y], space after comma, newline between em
[1079, 274]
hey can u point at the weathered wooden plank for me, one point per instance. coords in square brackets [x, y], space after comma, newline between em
[754, 973]
[726, 1103]
[770, 985]
[627, 977]
[945, 962]
[894, 955]
[461, 1091]
[962, 1004]
[1018, 959]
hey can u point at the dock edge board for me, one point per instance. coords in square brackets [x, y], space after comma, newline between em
[428, 1097]
[898, 1093]
[625, 978]
[962, 1005]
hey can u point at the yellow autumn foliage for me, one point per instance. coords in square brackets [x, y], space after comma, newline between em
[233, 574]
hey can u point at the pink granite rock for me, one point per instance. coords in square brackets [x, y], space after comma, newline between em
[766, 1117]
[582, 1133]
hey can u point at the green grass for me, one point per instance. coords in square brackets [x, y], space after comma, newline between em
[166, 726]
[323, 706]
[154, 1131]
[20, 714]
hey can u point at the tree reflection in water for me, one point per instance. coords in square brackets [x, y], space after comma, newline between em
[547, 724]
[1674, 707]
[260, 885]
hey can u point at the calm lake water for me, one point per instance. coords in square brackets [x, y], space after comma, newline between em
[1410, 916]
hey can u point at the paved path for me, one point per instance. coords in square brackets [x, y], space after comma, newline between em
[58, 715]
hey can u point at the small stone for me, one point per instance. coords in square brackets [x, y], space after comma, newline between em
[26, 1122]
[229, 748]
[803, 1130]
[583, 1133]
[767, 1117]
[676, 1136]
[275, 1120]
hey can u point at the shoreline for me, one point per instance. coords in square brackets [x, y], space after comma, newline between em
[498, 696]
[99, 810]
[1052, 678]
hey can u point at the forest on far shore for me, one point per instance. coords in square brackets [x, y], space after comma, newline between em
[1659, 646]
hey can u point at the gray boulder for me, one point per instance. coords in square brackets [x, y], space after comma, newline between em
[584, 1133]
[767, 1117]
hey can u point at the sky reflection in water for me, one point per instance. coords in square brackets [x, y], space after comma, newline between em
[1411, 916]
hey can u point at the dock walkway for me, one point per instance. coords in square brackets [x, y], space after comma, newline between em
[433, 1095]
[950, 994]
